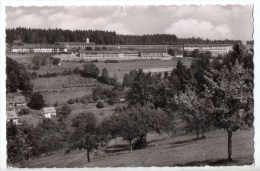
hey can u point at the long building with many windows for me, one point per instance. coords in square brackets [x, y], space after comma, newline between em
[38, 48]
[215, 49]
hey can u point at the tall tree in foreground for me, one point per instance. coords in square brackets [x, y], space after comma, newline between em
[136, 122]
[87, 133]
[195, 110]
[232, 97]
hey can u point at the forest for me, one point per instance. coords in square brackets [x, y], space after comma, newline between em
[50, 36]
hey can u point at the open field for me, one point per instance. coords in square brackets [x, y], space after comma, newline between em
[162, 150]
[114, 69]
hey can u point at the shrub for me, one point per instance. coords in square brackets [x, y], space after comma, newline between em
[140, 143]
[111, 101]
[71, 101]
[111, 61]
[36, 67]
[56, 61]
[100, 104]
[56, 104]
[36, 101]
[24, 111]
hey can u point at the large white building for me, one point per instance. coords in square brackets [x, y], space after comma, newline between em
[39, 48]
[155, 54]
[215, 49]
[99, 55]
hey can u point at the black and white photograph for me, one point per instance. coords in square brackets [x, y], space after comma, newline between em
[129, 86]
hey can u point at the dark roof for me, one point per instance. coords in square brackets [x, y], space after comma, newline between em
[208, 45]
[153, 50]
[75, 43]
[30, 46]
[107, 51]
[19, 99]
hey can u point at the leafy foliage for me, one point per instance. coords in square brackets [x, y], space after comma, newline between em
[64, 111]
[36, 101]
[17, 77]
[87, 134]
[100, 104]
[90, 70]
[195, 110]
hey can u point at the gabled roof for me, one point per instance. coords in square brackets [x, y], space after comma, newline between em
[11, 115]
[49, 110]
[153, 50]
[19, 99]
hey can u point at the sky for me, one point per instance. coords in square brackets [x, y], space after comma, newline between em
[206, 21]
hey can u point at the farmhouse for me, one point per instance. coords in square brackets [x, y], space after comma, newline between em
[12, 116]
[19, 101]
[215, 49]
[49, 112]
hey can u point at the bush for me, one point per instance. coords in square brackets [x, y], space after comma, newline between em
[56, 61]
[24, 111]
[86, 99]
[140, 143]
[36, 101]
[36, 67]
[100, 104]
[56, 104]
[71, 101]
[111, 61]
[111, 101]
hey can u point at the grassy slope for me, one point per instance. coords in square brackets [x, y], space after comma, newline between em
[162, 151]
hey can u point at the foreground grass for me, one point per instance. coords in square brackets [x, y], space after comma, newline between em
[163, 150]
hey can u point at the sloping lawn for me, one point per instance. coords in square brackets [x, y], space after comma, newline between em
[162, 151]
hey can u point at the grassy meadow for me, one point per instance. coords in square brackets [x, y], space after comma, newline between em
[163, 150]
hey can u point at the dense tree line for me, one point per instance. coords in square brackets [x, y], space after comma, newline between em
[28, 35]
[17, 77]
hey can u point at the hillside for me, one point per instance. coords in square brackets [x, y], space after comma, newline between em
[162, 151]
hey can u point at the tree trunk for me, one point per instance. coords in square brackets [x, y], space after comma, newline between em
[229, 145]
[88, 155]
[197, 131]
[130, 146]
[202, 132]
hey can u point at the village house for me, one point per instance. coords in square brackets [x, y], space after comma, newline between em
[49, 112]
[19, 101]
[12, 116]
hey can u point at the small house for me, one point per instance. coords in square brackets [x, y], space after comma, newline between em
[19, 101]
[9, 103]
[12, 116]
[49, 112]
